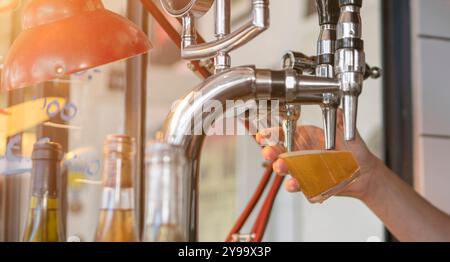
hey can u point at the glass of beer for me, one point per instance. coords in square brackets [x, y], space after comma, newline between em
[322, 174]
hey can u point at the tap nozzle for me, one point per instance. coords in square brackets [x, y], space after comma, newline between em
[329, 112]
[291, 116]
[350, 106]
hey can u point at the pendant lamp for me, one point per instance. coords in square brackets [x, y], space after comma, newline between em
[8, 5]
[62, 37]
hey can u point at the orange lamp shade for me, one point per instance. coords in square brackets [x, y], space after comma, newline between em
[8, 5]
[62, 37]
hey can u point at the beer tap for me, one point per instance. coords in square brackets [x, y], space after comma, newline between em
[328, 11]
[350, 62]
[335, 74]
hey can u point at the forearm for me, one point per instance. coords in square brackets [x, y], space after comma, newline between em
[404, 212]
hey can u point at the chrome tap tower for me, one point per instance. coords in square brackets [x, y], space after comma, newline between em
[334, 75]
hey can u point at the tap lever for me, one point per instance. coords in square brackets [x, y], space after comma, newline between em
[328, 11]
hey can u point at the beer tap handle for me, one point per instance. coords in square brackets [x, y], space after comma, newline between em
[328, 11]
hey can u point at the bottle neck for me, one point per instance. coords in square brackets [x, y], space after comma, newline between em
[118, 192]
[45, 178]
[45, 217]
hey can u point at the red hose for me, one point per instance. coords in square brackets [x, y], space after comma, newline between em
[264, 215]
[251, 204]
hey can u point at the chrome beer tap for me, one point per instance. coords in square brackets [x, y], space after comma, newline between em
[328, 11]
[303, 80]
[350, 64]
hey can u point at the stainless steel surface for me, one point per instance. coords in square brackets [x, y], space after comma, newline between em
[184, 125]
[234, 40]
[222, 61]
[188, 33]
[327, 40]
[373, 72]
[299, 62]
[223, 18]
[180, 8]
[329, 114]
[326, 46]
[236, 83]
[350, 66]
[290, 116]
[135, 108]
[315, 85]
[333, 75]
[349, 25]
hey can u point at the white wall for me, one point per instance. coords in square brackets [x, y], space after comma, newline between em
[431, 55]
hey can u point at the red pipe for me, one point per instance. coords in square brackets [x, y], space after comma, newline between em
[264, 215]
[251, 204]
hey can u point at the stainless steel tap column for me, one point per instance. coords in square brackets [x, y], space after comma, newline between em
[350, 62]
[185, 126]
[222, 61]
[180, 128]
[328, 11]
[336, 73]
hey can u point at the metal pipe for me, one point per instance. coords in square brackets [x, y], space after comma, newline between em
[135, 109]
[236, 39]
[188, 33]
[315, 85]
[223, 18]
[185, 124]
[222, 61]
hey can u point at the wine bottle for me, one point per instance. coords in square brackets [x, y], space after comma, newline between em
[45, 218]
[117, 219]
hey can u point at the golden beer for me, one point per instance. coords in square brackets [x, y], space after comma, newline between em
[322, 174]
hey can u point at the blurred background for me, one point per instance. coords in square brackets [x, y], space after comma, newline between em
[82, 109]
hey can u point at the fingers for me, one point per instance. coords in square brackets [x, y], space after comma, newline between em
[270, 136]
[340, 119]
[292, 185]
[280, 167]
[271, 153]
[310, 138]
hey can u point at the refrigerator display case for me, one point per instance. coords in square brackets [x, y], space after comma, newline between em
[77, 111]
